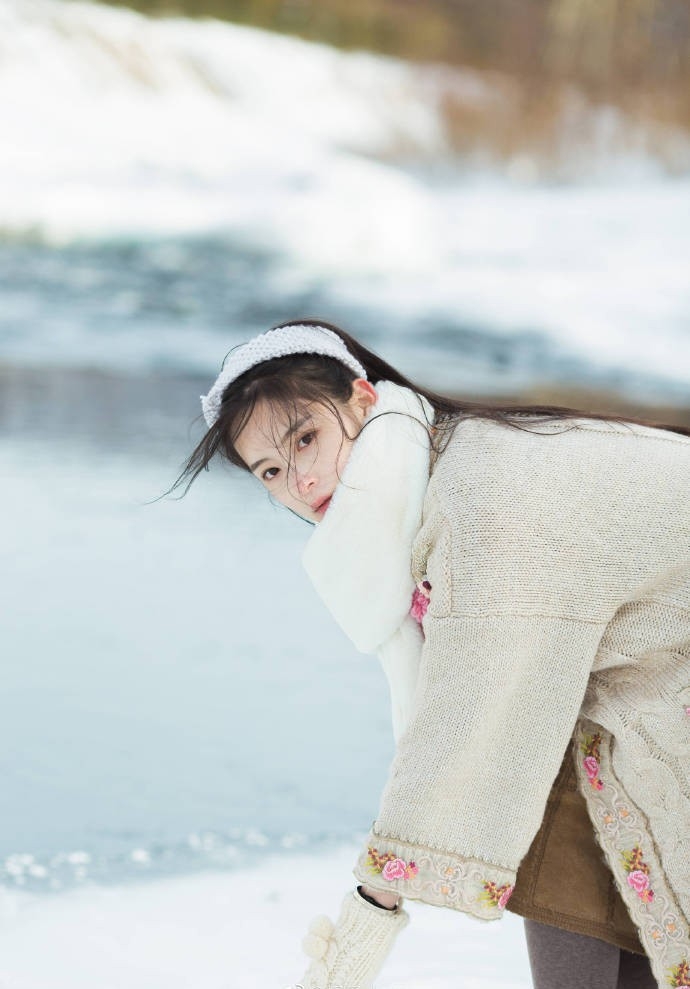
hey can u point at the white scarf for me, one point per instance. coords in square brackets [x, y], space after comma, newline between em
[358, 557]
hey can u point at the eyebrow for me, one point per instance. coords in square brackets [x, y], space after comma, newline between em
[286, 436]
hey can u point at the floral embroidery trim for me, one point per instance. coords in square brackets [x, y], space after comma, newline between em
[390, 866]
[444, 879]
[590, 746]
[497, 896]
[663, 931]
[680, 976]
[638, 873]
[420, 600]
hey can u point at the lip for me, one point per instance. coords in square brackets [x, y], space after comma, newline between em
[322, 506]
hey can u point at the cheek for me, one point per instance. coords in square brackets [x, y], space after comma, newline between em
[343, 455]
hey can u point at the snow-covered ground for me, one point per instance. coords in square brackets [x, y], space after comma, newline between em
[239, 930]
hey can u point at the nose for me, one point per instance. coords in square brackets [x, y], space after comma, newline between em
[304, 482]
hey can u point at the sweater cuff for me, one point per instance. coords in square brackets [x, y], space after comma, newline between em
[439, 878]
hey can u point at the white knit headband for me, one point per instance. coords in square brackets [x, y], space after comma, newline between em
[295, 338]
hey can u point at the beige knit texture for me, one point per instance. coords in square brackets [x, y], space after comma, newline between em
[560, 574]
[351, 953]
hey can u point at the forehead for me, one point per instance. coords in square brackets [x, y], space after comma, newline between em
[266, 427]
[270, 419]
[270, 427]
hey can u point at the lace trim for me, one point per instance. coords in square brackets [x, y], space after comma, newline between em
[622, 832]
[439, 878]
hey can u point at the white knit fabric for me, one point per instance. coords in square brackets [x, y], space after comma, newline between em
[374, 515]
[351, 953]
[296, 338]
[560, 607]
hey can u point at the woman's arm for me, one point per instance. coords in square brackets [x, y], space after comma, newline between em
[497, 703]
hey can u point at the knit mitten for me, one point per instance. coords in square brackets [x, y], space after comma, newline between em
[350, 954]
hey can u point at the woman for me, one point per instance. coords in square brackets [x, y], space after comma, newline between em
[524, 576]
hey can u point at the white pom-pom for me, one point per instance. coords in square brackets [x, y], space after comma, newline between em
[315, 946]
[322, 926]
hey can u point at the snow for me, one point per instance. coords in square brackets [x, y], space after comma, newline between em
[236, 929]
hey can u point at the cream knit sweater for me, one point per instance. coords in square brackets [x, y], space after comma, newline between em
[559, 562]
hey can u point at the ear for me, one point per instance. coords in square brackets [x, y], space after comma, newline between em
[363, 396]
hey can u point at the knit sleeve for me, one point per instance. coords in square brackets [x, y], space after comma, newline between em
[511, 635]
[496, 704]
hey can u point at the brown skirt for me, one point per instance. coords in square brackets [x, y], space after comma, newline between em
[564, 879]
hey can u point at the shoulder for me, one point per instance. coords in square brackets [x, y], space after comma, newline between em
[578, 488]
[493, 434]
[489, 458]
[557, 520]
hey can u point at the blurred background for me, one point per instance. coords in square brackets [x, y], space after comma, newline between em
[495, 197]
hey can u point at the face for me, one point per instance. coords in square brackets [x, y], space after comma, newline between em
[301, 464]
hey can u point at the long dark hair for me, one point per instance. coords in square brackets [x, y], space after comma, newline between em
[294, 382]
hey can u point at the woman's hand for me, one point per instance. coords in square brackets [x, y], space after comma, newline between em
[351, 953]
[387, 900]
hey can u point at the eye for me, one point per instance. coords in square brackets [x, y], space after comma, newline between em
[305, 440]
[269, 473]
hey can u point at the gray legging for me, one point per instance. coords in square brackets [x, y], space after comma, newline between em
[563, 960]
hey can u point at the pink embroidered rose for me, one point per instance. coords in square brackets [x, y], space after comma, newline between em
[420, 600]
[638, 879]
[394, 869]
[505, 896]
[591, 767]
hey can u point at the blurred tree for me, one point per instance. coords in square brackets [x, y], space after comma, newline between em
[634, 53]
[589, 41]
